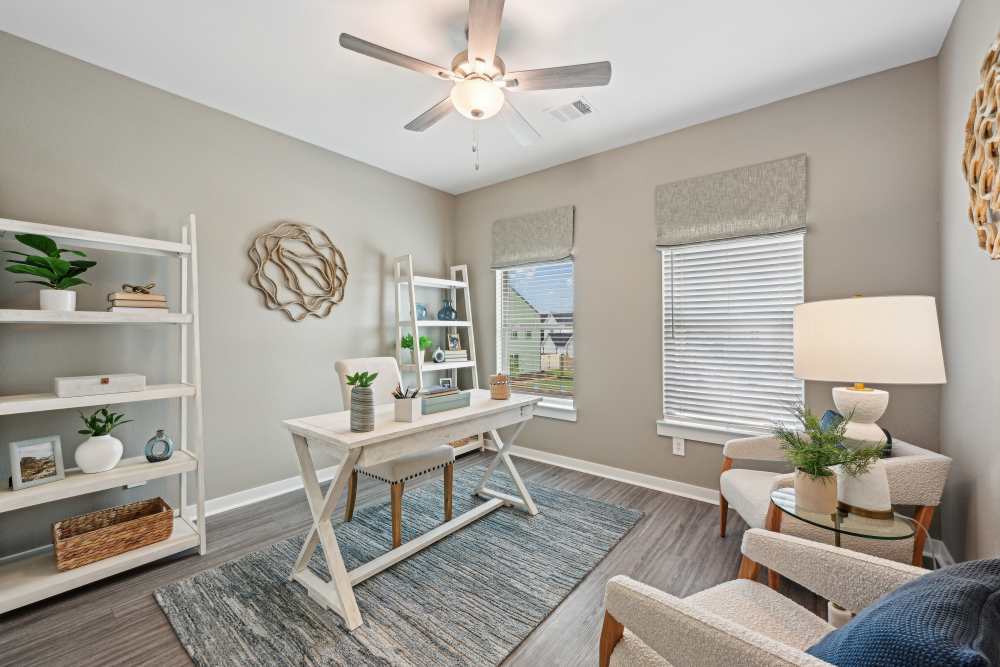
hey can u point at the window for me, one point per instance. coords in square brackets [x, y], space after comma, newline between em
[727, 336]
[535, 341]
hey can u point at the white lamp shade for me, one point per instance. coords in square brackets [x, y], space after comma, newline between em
[882, 340]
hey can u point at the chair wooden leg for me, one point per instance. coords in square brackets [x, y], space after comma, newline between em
[923, 518]
[748, 569]
[773, 523]
[352, 494]
[396, 492]
[449, 478]
[727, 463]
[611, 634]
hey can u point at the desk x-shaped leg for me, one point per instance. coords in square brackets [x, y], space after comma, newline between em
[524, 502]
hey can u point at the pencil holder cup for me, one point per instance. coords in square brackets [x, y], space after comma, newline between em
[407, 409]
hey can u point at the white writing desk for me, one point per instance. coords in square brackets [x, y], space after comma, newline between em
[389, 440]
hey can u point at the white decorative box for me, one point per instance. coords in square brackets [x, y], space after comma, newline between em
[95, 385]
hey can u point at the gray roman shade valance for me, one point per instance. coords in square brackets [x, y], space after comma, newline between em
[545, 236]
[764, 198]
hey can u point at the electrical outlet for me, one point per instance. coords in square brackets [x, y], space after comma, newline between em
[678, 446]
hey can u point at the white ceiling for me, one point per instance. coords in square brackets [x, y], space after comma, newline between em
[675, 64]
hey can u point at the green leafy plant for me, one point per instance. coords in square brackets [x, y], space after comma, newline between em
[361, 379]
[815, 449]
[56, 272]
[406, 342]
[102, 422]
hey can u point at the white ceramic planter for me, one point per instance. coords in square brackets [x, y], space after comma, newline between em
[57, 299]
[817, 494]
[99, 453]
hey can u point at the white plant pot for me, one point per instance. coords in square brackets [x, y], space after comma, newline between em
[99, 453]
[57, 299]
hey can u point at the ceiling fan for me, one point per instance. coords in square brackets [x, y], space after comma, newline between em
[480, 77]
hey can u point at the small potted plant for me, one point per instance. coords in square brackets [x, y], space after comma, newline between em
[58, 275]
[425, 343]
[362, 401]
[814, 451]
[407, 404]
[101, 451]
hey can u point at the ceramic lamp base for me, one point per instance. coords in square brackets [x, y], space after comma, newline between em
[866, 495]
[862, 407]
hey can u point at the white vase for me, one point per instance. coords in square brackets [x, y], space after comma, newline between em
[99, 453]
[57, 299]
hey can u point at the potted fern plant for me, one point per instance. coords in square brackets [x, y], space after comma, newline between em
[425, 343]
[362, 401]
[815, 451]
[101, 451]
[57, 274]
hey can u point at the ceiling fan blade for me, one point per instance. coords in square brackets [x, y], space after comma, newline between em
[571, 76]
[484, 29]
[366, 48]
[431, 116]
[522, 130]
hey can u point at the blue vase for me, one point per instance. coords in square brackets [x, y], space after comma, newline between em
[421, 311]
[447, 313]
[159, 448]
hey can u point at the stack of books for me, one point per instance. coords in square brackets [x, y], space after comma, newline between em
[456, 355]
[129, 302]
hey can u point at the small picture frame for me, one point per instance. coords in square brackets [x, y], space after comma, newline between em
[445, 383]
[454, 341]
[36, 461]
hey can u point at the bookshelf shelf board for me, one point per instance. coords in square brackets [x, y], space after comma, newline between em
[35, 577]
[88, 238]
[473, 446]
[76, 483]
[24, 403]
[9, 316]
[444, 366]
[421, 324]
[443, 283]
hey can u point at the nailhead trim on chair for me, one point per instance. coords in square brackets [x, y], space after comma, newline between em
[405, 479]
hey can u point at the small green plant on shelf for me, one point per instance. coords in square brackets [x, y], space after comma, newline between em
[102, 422]
[54, 271]
[406, 342]
[815, 449]
[363, 379]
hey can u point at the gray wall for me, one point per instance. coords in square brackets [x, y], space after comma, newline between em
[873, 179]
[84, 147]
[971, 324]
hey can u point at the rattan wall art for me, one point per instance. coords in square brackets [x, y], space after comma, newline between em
[981, 159]
[299, 270]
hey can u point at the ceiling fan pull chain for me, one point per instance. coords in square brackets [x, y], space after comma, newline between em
[475, 147]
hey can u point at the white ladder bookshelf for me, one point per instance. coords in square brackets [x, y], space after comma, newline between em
[407, 282]
[34, 577]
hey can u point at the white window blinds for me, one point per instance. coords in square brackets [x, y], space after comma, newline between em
[535, 337]
[727, 332]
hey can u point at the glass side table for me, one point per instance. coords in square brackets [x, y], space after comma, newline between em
[899, 527]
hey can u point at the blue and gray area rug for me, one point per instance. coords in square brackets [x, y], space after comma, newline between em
[469, 599]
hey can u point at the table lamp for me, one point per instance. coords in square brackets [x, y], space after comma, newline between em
[883, 340]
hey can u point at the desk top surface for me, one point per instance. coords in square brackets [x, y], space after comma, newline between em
[335, 427]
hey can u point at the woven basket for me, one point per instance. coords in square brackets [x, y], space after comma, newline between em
[499, 387]
[88, 538]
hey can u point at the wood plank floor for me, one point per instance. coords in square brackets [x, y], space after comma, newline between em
[675, 547]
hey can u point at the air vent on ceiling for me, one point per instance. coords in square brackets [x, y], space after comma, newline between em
[567, 112]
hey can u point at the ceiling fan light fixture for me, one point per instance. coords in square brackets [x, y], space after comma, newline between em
[477, 98]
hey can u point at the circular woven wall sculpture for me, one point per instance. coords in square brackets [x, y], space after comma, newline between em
[299, 271]
[981, 159]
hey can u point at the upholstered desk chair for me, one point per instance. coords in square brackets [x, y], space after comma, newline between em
[405, 468]
[916, 477]
[742, 622]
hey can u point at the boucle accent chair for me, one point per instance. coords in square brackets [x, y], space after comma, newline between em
[916, 477]
[405, 468]
[743, 622]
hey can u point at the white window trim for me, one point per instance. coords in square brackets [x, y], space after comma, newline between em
[562, 409]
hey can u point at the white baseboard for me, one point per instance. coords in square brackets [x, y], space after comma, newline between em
[257, 494]
[663, 484]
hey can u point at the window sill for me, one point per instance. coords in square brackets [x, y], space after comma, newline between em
[560, 411]
[697, 432]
